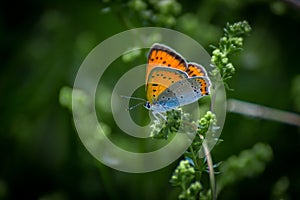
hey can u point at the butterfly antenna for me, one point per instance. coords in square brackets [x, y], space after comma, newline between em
[134, 98]
[132, 107]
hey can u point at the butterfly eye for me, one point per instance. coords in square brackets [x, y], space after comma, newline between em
[147, 105]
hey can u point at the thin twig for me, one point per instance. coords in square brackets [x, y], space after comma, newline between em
[210, 168]
[263, 112]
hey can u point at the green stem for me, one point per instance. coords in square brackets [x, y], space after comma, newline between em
[195, 160]
[211, 170]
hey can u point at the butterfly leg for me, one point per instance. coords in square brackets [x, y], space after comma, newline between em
[157, 116]
[163, 116]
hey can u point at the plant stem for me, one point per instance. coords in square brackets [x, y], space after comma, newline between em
[255, 110]
[211, 170]
[195, 160]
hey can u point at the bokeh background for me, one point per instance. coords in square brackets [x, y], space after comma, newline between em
[43, 44]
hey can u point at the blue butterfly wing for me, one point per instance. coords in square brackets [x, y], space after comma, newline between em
[184, 92]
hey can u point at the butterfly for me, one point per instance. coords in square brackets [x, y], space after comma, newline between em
[171, 81]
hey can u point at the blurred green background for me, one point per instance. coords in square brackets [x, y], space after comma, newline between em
[43, 44]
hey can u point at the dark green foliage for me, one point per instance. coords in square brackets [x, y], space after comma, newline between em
[43, 44]
[247, 164]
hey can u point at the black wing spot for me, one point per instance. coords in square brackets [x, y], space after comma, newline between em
[152, 59]
[169, 65]
[156, 58]
[154, 95]
[164, 77]
[164, 62]
[181, 96]
[161, 58]
[154, 90]
[154, 84]
[169, 98]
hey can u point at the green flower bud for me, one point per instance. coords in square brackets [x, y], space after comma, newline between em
[224, 60]
[203, 121]
[229, 67]
[216, 52]
[224, 39]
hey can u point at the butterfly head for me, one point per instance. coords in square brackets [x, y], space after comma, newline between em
[157, 107]
[147, 105]
[158, 111]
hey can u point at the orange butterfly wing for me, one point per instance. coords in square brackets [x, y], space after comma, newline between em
[204, 85]
[161, 78]
[195, 69]
[161, 55]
